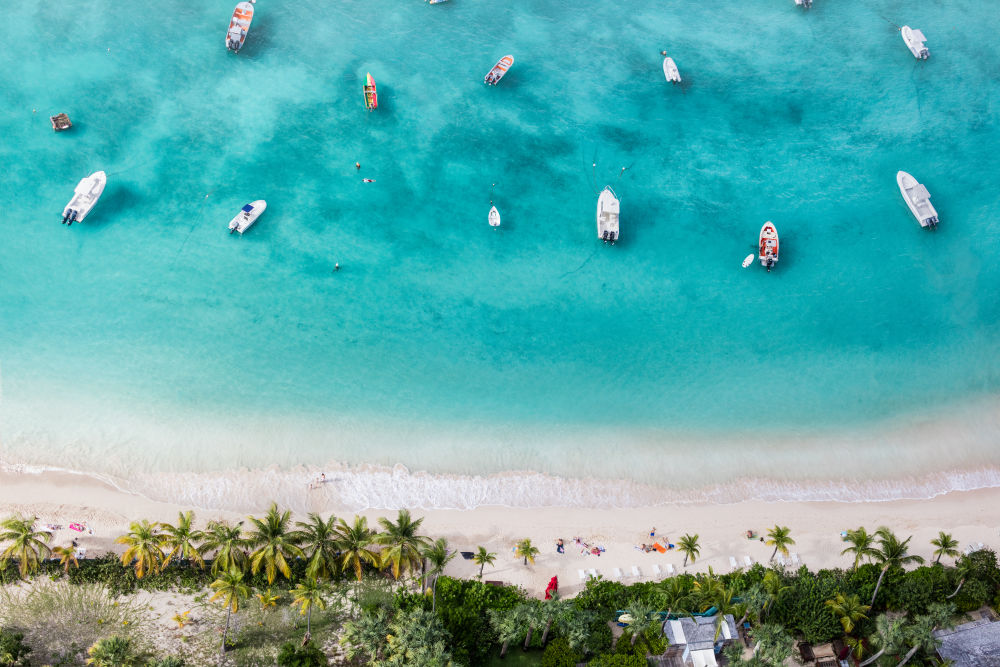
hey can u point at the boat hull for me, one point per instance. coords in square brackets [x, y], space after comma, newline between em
[239, 26]
[371, 94]
[608, 211]
[499, 70]
[768, 245]
[914, 40]
[670, 71]
[494, 217]
[85, 196]
[245, 219]
[917, 199]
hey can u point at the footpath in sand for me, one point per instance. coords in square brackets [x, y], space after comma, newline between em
[972, 517]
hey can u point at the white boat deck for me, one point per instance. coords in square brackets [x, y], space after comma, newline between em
[608, 208]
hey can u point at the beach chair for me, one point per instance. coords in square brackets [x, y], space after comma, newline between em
[583, 575]
[795, 558]
[592, 572]
[732, 562]
[748, 561]
[616, 573]
[670, 568]
[780, 558]
[656, 569]
[635, 572]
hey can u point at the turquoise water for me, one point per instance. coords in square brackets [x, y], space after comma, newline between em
[148, 338]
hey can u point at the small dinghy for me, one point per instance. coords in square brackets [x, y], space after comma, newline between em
[371, 96]
[239, 25]
[437, 2]
[494, 217]
[805, 4]
[247, 216]
[670, 70]
[768, 245]
[748, 260]
[918, 199]
[915, 42]
[608, 208]
[498, 71]
[85, 197]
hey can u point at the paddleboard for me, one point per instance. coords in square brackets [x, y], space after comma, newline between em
[494, 217]
[748, 261]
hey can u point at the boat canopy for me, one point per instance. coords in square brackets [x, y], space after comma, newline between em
[247, 208]
[917, 35]
[919, 193]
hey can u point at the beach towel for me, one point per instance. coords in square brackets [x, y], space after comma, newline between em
[77, 527]
[659, 547]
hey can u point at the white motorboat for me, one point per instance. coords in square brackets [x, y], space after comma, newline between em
[918, 199]
[247, 216]
[768, 245]
[915, 42]
[670, 70]
[805, 4]
[239, 25]
[494, 217]
[607, 216]
[85, 196]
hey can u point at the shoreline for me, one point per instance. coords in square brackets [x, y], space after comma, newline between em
[970, 516]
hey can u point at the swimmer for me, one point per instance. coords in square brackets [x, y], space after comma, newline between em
[336, 267]
[357, 165]
[368, 180]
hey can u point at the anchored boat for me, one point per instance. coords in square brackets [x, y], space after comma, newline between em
[494, 217]
[918, 199]
[85, 197]
[239, 25]
[247, 216]
[768, 245]
[915, 42]
[805, 4]
[498, 71]
[608, 208]
[371, 96]
[670, 70]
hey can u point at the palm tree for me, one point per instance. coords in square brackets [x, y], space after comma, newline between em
[848, 609]
[526, 550]
[318, 540]
[67, 557]
[551, 611]
[507, 627]
[180, 540]
[862, 546]
[773, 586]
[366, 636]
[963, 568]
[888, 637]
[275, 544]
[673, 594]
[116, 652]
[945, 546]
[482, 558]
[402, 544]
[574, 627]
[528, 614]
[308, 594]
[892, 552]
[688, 545]
[231, 589]
[920, 634]
[268, 599]
[779, 538]
[145, 548]
[643, 619]
[229, 545]
[353, 542]
[27, 545]
[438, 555]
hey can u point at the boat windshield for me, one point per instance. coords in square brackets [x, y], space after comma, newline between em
[247, 208]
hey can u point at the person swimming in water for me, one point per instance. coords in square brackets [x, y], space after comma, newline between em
[368, 180]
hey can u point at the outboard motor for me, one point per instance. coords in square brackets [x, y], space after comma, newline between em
[613, 237]
[65, 216]
[604, 236]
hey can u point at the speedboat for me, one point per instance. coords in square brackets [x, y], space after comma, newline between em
[494, 217]
[371, 96]
[768, 245]
[247, 216]
[498, 71]
[806, 4]
[607, 216]
[85, 196]
[670, 70]
[239, 25]
[915, 42]
[918, 199]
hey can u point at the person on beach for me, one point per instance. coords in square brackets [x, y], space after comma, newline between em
[560, 546]
[652, 533]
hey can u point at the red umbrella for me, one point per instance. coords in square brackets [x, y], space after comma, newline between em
[552, 587]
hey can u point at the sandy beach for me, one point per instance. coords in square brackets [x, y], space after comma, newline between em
[971, 516]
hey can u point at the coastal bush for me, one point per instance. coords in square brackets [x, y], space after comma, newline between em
[559, 654]
[13, 651]
[169, 661]
[974, 594]
[462, 606]
[920, 588]
[803, 609]
[308, 655]
[603, 597]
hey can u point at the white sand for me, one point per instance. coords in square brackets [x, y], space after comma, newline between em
[970, 516]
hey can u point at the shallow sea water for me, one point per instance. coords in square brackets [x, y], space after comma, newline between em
[148, 339]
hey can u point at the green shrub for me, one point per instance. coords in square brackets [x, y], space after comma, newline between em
[559, 654]
[291, 655]
[13, 651]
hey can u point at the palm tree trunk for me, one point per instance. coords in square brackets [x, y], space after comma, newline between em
[503, 649]
[545, 633]
[434, 594]
[878, 584]
[222, 649]
[774, 553]
[938, 559]
[872, 659]
[960, 584]
[309, 615]
[527, 638]
[685, 559]
[481, 566]
[909, 655]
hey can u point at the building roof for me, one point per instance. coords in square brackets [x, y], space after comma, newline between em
[698, 632]
[975, 644]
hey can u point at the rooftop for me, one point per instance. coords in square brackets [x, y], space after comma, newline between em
[975, 644]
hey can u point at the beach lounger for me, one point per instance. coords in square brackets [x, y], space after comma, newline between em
[748, 561]
[670, 568]
[732, 562]
[635, 572]
[795, 558]
[656, 569]
[583, 575]
[780, 558]
[616, 573]
[592, 572]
